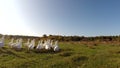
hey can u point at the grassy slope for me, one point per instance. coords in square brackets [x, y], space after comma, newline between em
[72, 55]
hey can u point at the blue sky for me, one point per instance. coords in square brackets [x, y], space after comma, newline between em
[61, 17]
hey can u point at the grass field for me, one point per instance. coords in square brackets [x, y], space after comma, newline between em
[72, 55]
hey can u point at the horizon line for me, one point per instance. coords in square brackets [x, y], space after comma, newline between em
[58, 35]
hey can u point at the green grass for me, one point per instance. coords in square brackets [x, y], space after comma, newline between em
[72, 55]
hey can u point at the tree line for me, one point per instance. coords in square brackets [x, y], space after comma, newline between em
[82, 38]
[67, 38]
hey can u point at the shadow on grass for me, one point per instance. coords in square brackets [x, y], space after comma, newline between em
[13, 51]
[78, 58]
[51, 51]
[66, 54]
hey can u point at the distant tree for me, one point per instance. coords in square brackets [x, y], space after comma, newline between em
[45, 36]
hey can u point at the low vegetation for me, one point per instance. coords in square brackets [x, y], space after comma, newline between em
[71, 55]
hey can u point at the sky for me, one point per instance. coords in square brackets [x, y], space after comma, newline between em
[60, 17]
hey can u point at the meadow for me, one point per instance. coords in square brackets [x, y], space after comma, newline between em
[71, 55]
